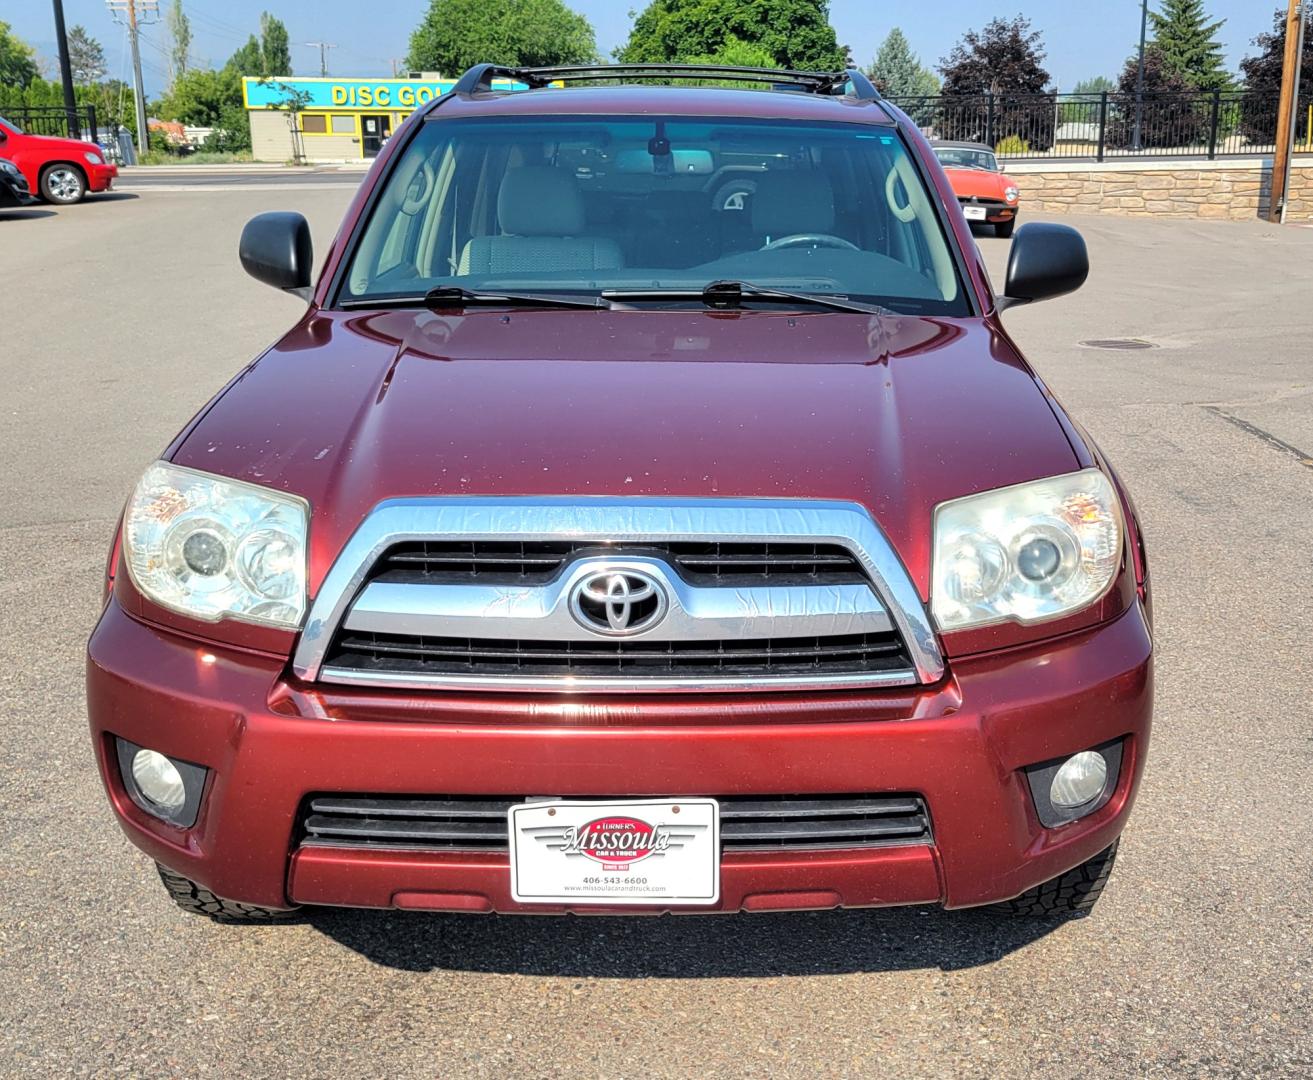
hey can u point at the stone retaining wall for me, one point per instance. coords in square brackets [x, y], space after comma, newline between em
[1235, 190]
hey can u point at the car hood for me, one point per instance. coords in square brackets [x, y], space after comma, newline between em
[978, 182]
[897, 413]
[51, 145]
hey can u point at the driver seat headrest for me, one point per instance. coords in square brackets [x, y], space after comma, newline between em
[791, 203]
[539, 200]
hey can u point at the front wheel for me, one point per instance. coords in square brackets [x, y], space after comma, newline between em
[1003, 229]
[63, 184]
[200, 901]
[1067, 894]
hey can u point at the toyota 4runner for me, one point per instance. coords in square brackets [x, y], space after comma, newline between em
[649, 512]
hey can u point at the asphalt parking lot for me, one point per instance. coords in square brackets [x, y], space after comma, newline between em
[123, 315]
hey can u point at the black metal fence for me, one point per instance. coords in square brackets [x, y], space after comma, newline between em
[55, 120]
[1099, 127]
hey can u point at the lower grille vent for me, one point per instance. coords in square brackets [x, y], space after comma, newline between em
[747, 823]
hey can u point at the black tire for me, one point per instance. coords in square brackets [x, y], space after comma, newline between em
[200, 901]
[1071, 893]
[63, 184]
[1003, 229]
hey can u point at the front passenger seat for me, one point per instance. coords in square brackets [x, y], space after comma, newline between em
[540, 209]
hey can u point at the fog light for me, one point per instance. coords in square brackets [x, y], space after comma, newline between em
[1079, 779]
[164, 787]
[158, 779]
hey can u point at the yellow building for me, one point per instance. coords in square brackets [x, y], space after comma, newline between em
[294, 119]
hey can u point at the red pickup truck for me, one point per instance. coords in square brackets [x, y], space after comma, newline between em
[648, 512]
[58, 170]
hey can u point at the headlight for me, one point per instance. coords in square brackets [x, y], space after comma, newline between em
[1025, 553]
[10, 168]
[213, 548]
[1010, 194]
[92, 157]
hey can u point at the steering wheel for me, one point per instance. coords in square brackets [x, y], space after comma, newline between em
[811, 240]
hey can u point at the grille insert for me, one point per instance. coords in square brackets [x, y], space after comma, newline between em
[530, 562]
[747, 823]
[356, 650]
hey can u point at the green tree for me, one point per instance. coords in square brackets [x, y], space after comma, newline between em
[112, 99]
[179, 39]
[205, 98]
[1188, 44]
[85, 57]
[457, 34]
[248, 60]
[734, 53]
[794, 33]
[267, 56]
[275, 47]
[898, 72]
[1081, 106]
[17, 61]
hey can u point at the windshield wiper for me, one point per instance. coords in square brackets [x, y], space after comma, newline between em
[731, 294]
[449, 296]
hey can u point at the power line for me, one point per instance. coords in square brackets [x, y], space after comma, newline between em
[218, 26]
[323, 47]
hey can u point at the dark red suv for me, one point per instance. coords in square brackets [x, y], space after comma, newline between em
[649, 512]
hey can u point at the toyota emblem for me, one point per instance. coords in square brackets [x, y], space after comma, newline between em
[618, 602]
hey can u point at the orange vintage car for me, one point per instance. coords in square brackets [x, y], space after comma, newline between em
[986, 193]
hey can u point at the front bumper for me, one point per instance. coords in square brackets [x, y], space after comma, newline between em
[962, 745]
[101, 177]
[995, 212]
[12, 194]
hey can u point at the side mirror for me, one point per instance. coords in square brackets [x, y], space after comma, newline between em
[1046, 261]
[276, 249]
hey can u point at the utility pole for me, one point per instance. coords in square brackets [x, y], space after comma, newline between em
[1139, 77]
[136, 13]
[66, 74]
[323, 47]
[1276, 211]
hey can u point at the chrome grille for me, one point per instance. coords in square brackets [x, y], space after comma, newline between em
[747, 822]
[531, 594]
[528, 562]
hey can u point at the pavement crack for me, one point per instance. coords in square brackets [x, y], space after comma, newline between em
[1263, 436]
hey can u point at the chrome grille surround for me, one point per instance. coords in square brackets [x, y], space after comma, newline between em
[348, 600]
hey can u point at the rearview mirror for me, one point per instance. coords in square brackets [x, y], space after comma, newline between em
[1046, 261]
[276, 249]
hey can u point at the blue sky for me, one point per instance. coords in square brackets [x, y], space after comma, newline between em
[1083, 39]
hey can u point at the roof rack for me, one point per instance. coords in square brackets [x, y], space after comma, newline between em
[481, 76]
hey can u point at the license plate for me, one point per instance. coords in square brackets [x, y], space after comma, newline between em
[630, 851]
[975, 213]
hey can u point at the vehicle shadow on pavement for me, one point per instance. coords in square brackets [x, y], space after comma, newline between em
[23, 215]
[112, 196]
[811, 943]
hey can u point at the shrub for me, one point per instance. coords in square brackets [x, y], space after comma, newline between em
[1012, 146]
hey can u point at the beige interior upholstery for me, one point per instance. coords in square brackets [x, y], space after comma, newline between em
[541, 214]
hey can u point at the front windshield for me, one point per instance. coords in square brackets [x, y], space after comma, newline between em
[11, 126]
[958, 157]
[578, 205]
